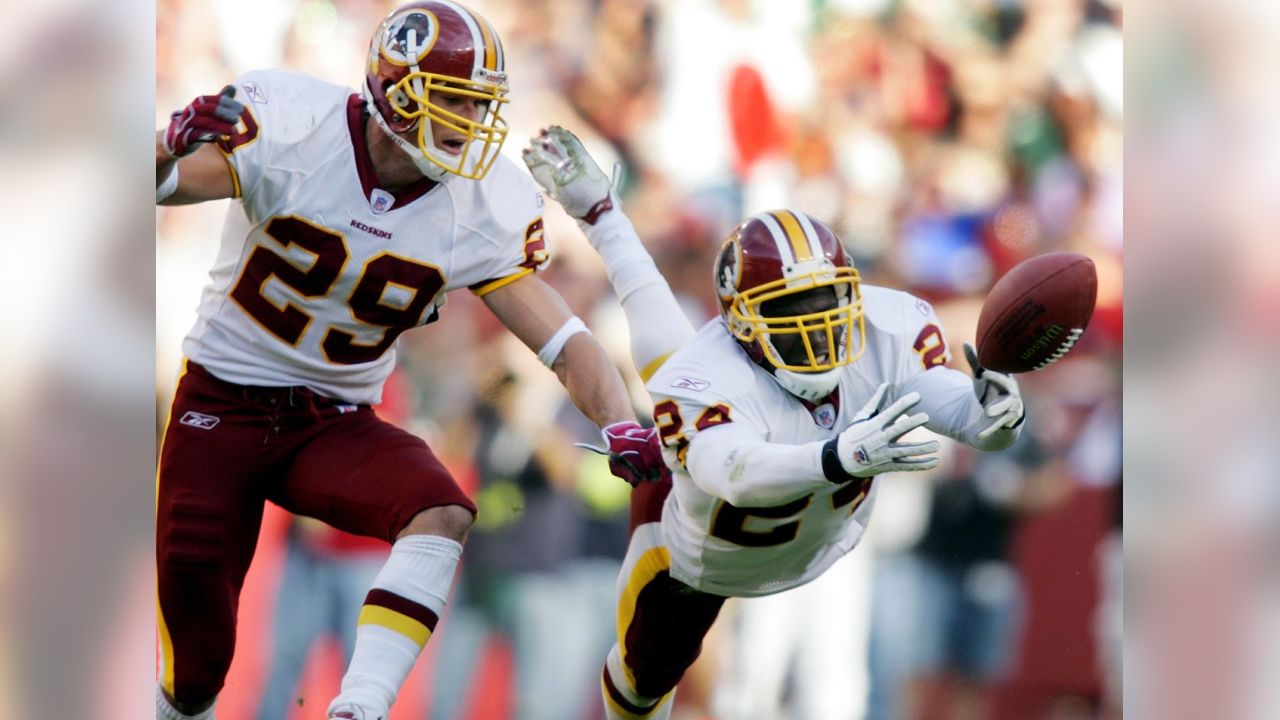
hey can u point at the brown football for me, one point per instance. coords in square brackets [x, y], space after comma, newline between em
[1036, 312]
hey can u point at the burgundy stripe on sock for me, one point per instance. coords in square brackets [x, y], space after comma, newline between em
[404, 606]
[621, 700]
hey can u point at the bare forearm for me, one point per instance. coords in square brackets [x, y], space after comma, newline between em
[592, 382]
[164, 161]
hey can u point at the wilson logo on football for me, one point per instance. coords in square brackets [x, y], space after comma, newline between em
[199, 420]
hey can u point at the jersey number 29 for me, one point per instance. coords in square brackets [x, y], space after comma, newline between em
[289, 322]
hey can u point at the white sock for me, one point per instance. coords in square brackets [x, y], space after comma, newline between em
[658, 325]
[622, 703]
[165, 711]
[398, 617]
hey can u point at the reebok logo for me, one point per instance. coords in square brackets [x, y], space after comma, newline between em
[688, 383]
[370, 229]
[199, 420]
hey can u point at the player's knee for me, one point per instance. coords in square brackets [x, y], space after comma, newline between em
[193, 549]
[450, 521]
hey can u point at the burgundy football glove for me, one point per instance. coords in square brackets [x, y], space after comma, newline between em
[207, 118]
[634, 453]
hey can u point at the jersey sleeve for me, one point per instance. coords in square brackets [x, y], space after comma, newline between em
[500, 231]
[946, 394]
[717, 443]
[247, 150]
[926, 338]
[681, 416]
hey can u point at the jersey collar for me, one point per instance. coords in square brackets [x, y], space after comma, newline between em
[364, 164]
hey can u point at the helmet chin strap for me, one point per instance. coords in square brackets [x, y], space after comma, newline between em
[424, 165]
[809, 386]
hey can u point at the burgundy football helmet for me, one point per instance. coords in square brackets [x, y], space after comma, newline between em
[792, 299]
[427, 51]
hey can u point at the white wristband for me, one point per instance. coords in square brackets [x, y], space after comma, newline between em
[169, 185]
[551, 350]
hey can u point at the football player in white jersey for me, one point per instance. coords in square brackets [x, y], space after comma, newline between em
[357, 212]
[774, 418]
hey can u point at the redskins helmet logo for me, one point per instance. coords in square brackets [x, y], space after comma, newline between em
[409, 38]
[729, 268]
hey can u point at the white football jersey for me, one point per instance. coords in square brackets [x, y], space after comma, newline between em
[722, 549]
[319, 269]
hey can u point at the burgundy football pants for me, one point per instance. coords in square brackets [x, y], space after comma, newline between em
[229, 448]
[662, 620]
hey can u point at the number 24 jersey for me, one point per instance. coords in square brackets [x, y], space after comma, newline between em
[719, 548]
[319, 270]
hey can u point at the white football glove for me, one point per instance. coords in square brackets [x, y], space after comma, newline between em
[567, 172]
[869, 446]
[998, 394]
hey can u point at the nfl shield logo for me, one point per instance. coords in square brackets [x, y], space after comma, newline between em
[861, 456]
[825, 416]
[381, 201]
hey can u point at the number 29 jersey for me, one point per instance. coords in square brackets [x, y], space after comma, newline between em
[320, 270]
[726, 550]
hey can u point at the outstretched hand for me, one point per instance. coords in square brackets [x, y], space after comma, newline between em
[567, 172]
[999, 394]
[206, 119]
[871, 446]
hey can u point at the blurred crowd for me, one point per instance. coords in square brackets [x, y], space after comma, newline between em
[945, 141]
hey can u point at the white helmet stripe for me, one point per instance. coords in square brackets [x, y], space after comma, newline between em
[477, 40]
[779, 238]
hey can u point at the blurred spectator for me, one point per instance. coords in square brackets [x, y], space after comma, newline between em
[800, 653]
[967, 596]
[326, 576]
[526, 577]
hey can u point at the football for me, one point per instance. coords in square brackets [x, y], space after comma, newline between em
[1036, 312]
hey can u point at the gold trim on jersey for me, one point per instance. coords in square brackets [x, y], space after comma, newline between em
[652, 367]
[237, 190]
[501, 282]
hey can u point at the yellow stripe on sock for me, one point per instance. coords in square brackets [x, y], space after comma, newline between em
[392, 620]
